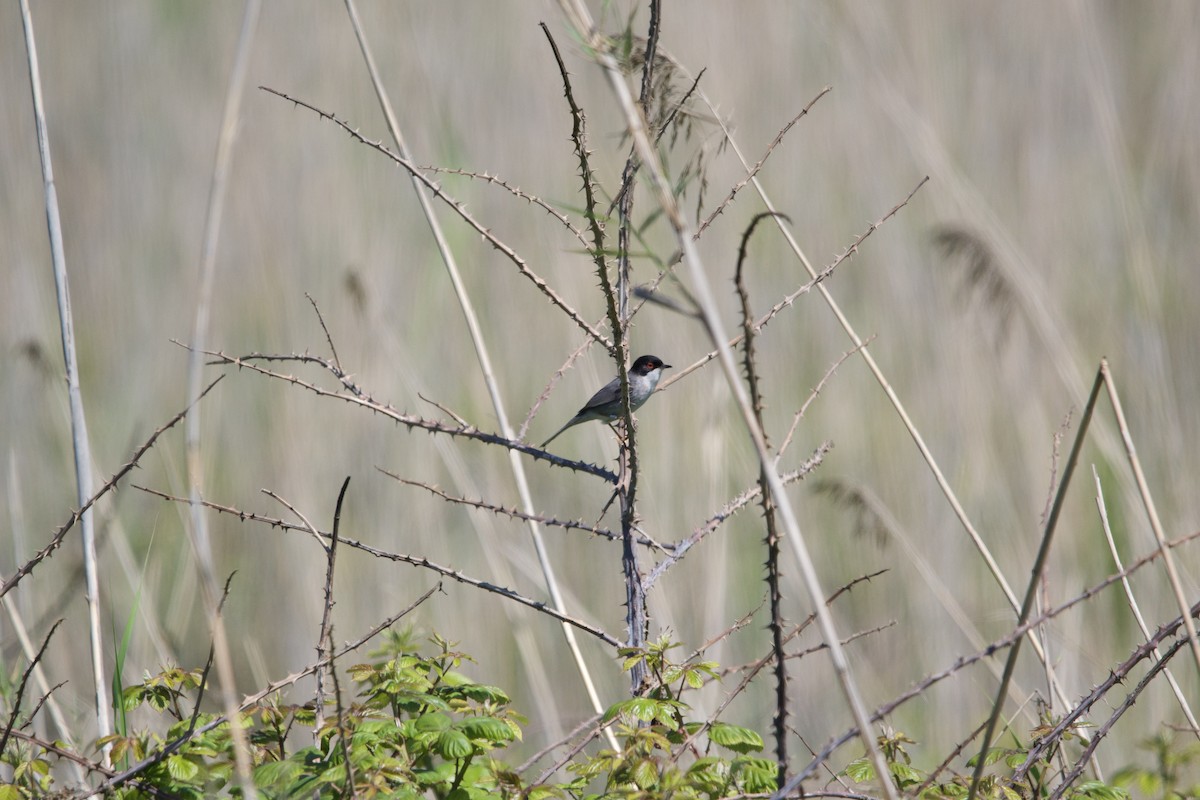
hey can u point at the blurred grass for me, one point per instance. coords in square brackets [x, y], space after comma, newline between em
[1066, 130]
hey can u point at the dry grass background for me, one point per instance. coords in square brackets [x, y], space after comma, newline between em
[1064, 135]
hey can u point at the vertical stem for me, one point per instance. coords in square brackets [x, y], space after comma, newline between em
[635, 593]
[79, 434]
[1039, 565]
[201, 542]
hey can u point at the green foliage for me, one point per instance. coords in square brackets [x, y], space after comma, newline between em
[656, 735]
[1165, 778]
[416, 728]
[419, 728]
[911, 781]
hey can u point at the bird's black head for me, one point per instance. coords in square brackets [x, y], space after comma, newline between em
[647, 364]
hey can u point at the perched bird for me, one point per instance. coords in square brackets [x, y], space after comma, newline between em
[605, 404]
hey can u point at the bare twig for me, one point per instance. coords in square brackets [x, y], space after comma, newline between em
[1133, 605]
[578, 525]
[63, 529]
[517, 192]
[680, 548]
[753, 171]
[577, 13]
[1089, 751]
[445, 410]
[816, 391]
[360, 398]
[1116, 676]
[325, 635]
[344, 735]
[307, 525]
[817, 279]
[616, 310]
[436, 190]
[965, 661]
[19, 695]
[415, 561]
[554, 379]
[321, 319]
[87, 764]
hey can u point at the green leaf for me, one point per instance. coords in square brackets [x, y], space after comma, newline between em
[1098, 790]
[276, 773]
[9, 792]
[756, 775]
[860, 770]
[432, 723]
[709, 774]
[132, 697]
[735, 738]
[487, 728]
[905, 775]
[481, 693]
[454, 745]
[645, 774]
[640, 708]
[182, 769]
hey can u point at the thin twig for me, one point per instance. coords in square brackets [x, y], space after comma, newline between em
[737, 187]
[344, 735]
[776, 621]
[581, 19]
[554, 379]
[816, 281]
[1088, 753]
[517, 192]
[962, 662]
[87, 764]
[325, 635]
[1116, 676]
[63, 529]
[816, 391]
[19, 695]
[680, 548]
[308, 526]
[415, 561]
[1133, 605]
[360, 398]
[321, 319]
[512, 512]
[436, 190]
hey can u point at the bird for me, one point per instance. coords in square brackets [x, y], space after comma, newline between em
[605, 404]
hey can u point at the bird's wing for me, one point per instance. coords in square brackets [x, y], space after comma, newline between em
[611, 393]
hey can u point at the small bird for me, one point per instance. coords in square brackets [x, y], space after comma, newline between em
[605, 404]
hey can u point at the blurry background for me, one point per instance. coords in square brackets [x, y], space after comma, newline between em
[1060, 138]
